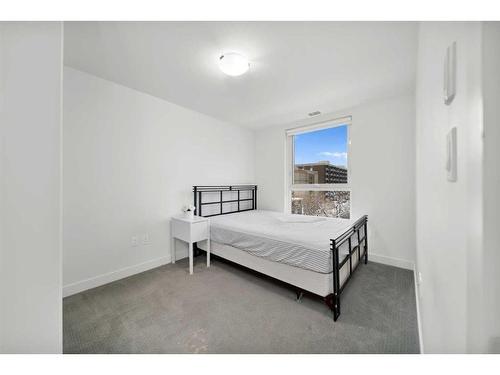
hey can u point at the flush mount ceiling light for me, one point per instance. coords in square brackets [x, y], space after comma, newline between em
[233, 64]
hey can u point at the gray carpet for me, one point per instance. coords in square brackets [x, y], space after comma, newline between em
[226, 309]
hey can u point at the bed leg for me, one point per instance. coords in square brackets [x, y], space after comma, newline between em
[336, 307]
[366, 243]
[336, 280]
[333, 303]
[299, 294]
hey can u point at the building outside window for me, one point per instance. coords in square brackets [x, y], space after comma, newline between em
[318, 169]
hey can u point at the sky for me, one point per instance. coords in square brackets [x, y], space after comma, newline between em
[327, 144]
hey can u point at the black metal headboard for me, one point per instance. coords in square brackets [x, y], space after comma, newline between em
[242, 202]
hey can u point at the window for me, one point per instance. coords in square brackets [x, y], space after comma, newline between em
[318, 169]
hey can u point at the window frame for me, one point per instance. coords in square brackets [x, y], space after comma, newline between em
[290, 160]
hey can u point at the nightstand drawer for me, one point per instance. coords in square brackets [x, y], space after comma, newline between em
[190, 231]
[199, 231]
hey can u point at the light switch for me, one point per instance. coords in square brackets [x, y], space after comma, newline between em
[451, 154]
[450, 74]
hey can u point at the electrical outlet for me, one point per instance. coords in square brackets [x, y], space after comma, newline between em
[146, 239]
[134, 241]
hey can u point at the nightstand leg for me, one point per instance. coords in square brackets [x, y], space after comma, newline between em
[208, 252]
[191, 258]
[172, 242]
[172, 249]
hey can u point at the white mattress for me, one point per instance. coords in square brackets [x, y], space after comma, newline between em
[296, 240]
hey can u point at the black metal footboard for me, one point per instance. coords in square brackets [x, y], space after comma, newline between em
[355, 241]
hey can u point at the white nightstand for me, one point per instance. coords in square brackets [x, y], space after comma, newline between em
[190, 231]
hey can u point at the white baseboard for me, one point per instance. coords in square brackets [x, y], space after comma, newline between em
[93, 282]
[390, 261]
[417, 299]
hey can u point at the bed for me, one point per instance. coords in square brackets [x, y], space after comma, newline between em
[314, 254]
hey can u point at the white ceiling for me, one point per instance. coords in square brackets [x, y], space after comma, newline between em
[296, 67]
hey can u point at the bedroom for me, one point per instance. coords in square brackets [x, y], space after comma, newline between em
[321, 161]
[132, 135]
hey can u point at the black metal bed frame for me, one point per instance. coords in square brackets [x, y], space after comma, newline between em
[198, 198]
[358, 231]
[335, 245]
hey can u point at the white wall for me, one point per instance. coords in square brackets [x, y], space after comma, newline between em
[130, 161]
[491, 183]
[382, 165]
[449, 215]
[30, 187]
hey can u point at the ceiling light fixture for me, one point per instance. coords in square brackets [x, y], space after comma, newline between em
[233, 64]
